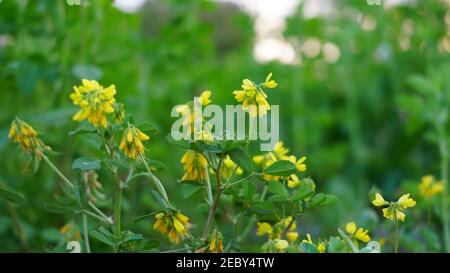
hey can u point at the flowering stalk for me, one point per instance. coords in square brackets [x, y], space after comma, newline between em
[212, 210]
[156, 181]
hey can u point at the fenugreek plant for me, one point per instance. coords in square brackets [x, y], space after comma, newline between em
[265, 193]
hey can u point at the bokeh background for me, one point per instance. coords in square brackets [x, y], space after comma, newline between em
[343, 69]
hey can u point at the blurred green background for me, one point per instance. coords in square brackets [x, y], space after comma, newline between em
[344, 94]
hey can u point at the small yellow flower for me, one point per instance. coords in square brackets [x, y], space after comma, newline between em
[301, 166]
[292, 235]
[362, 235]
[264, 228]
[321, 247]
[350, 228]
[252, 98]
[308, 239]
[131, 143]
[95, 102]
[174, 224]
[429, 187]
[394, 210]
[205, 97]
[269, 83]
[229, 167]
[216, 242]
[194, 165]
[379, 201]
[293, 181]
[27, 138]
[405, 202]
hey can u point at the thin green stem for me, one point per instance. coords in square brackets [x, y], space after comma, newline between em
[208, 188]
[86, 233]
[212, 210]
[117, 209]
[99, 212]
[93, 215]
[56, 170]
[155, 180]
[397, 233]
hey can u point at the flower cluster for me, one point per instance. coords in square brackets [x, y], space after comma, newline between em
[131, 143]
[285, 227]
[252, 96]
[429, 187]
[394, 210]
[195, 166]
[95, 102]
[191, 113]
[280, 152]
[174, 224]
[27, 138]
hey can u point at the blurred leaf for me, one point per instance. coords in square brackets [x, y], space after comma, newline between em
[322, 199]
[58, 209]
[12, 196]
[86, 164]
[302, 192]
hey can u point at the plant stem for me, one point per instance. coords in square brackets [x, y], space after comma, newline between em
[155, 180]
[212, 210]
[443, 150]
[208, 188]
[85, 233]
[397, 233]
[56, 170]
[117, 209]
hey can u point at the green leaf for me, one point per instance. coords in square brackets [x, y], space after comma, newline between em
[151, 244]
[241, 158]
[265, 207]
[156, 165]
[336, 245]
[12, 196]
[180, 143]
[104, 237]
[86, 164]
[302, 192]
[322, 199]
[143, 217]
[84, 128]
[308, 248]
[148, 128]
[58, 209]
[281, 168]
[276, 188]
[160, 199]
[228, 145]
[128, 237]
[188, 190]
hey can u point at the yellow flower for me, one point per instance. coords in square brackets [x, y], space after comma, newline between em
[27, 138]
[350, 228]
[205, 97]
[194, 165]
[293, 181]
[292, 235]
[269, 83]
[362, 235]
[379, 201]
[264, 228]
[70, 232]
[252, 98]
[429, 187]
[95, 102]
[216, 242]
[395, 209]
[308, 239]
[301, 167]
[322, 248]
[174, 224]
[405, 202]
[228, 168]
[131, 143]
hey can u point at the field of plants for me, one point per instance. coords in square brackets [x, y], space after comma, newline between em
[90, 95]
